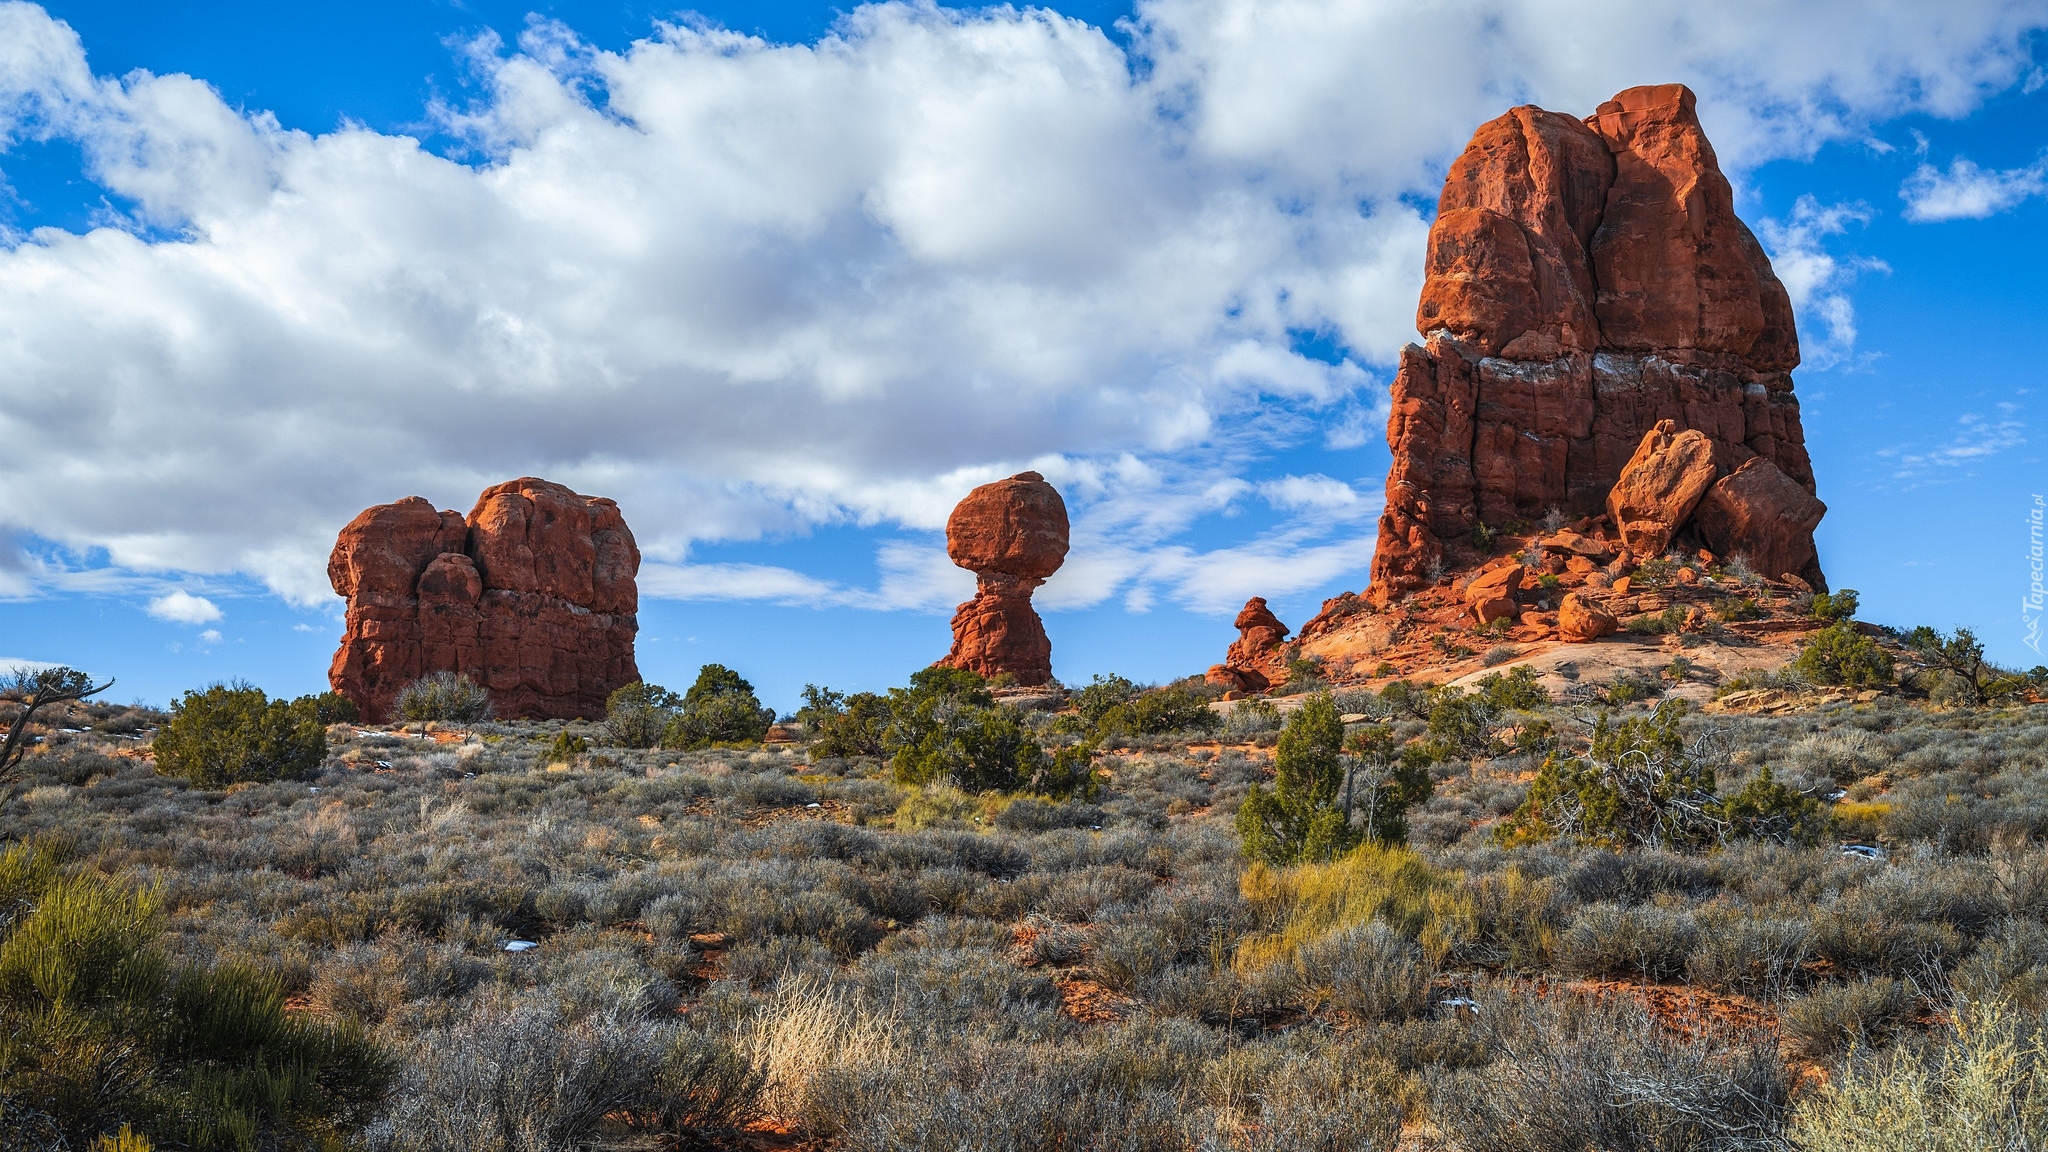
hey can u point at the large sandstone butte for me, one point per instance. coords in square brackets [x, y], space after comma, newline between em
[1012, 535]
[1586, 281]
[532, 595]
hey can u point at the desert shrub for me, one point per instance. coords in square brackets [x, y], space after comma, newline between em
[1298, 906]
[1646, 942]
[990, 749]
[1729, 609]
[232, 733]
[1640, 785]
[98, 1026]
[1301, 818]
[1159, 710]
[1834, 607]
[1512, 691]
[1670, 622]
[1826, 1021]
[637, 714]
[1568, 1074]
[1983, 1085]
[565, 747]
[1365, 971]
[1845, 754]
[1499, 654]
[1461, 726]
[1839, 654]
[519, 1076]
[857, 727]
[1101, 696]
[1955, 667]
[1629, 687]
[1746, 954]
[332, 708]
[443, 696]
[1767, 810]
[720, 708]
[1253, 716]
[2010, 965]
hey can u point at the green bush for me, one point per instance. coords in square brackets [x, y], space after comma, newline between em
[231, 733]
[1383, 781]
[1160, 710]
[1839, 654]
[1301, 818]
[858, 727]
[100, 1032]
[1834, 607]
[1639, 786]
[720, 708]
[1768, 810]
[446, 696]
[638, 714]
[334, 708]
[565, 747]
[1515, 690]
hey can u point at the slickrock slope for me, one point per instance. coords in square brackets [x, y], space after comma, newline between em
[1585, 282]
[1012, 535]
[532, 595]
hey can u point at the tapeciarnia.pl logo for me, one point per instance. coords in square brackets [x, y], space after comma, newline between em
[2037, 597]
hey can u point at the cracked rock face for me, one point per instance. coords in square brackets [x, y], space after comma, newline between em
[1012, 535]
[532, 595]
[1586, 281]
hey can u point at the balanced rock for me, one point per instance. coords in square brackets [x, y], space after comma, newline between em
[1585, 281]
[1012, 534]
[531, 595]
[1257, 659]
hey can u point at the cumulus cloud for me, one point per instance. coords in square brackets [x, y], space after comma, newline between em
[1967, 192]
[748, 288]
[182, 607]
[1816, 279]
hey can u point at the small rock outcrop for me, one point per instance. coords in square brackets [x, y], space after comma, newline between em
[1587, 281]
[532, 595]
[1580, 620]
[1257, 659]
[1012, 535]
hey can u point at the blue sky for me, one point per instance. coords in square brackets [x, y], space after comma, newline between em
[787, 279]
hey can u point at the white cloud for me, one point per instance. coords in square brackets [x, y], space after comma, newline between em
[1967, 192]
[746, 288]
[1978, 438]
[210, 636]
[1320, 493]
[1817, 280]
[181, 607]
[15, 665]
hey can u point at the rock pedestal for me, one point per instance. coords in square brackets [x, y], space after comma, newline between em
[532, 595]
[1257, 659]
[1012, 535]
[1586, 281]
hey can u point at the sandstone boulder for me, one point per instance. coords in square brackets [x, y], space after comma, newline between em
[1765, 515]
[1660, 486]
[1012, 534]
[1580, 620]
[532, 595]
[1491, 595]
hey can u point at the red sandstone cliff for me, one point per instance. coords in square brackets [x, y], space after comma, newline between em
[1585, 282]
[532, 595]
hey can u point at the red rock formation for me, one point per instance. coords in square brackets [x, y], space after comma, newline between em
[1257, 659]
[532, 595]
[1586, 281]
[1767, 517]
[1012, 535]
[1580, 620]
[1660, 486]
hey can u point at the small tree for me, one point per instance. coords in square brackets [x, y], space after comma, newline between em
[32, 692]
[1835, 606]
[637, 715]
[1382, 781]
[720, 708]
[1301, 818]
[1958, 665]
[231, 733]
[859, 728]
[1839, 654]
[1640, 785]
